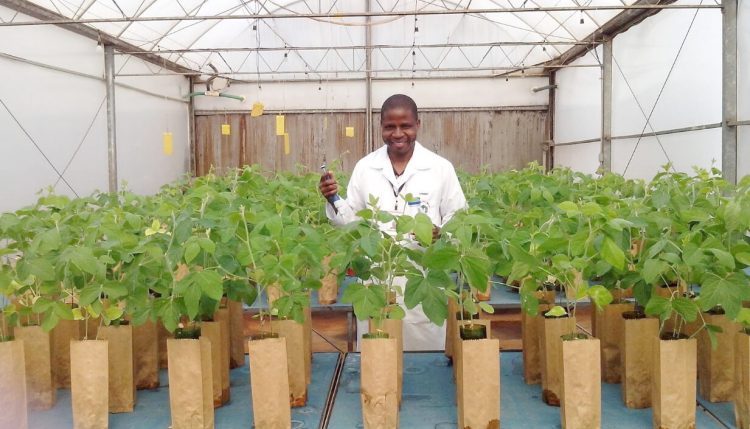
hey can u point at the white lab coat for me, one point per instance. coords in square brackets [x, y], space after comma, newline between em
[428, 176]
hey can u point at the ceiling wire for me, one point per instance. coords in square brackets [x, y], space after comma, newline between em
[658, 97]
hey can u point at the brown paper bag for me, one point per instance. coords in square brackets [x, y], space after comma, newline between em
[89, 383]
[486, 295]
[550, 351]
[62, 334]
[457, 348]
[222, 316]
[741, 395]
[609, 331]
[308, 344]
[581, 393]
[212, 332]
[40, 383]
[673, 395]
[146, 355]
[163, 335]
[121, 381]
[379, 383]
[636, 360]
[716, 366]
[450, 327]
[190, 383]
[395, 329]
[237, 334]
[329, 291]
[13, 385]
[269, 381]
[294, 335]
[532, 371]
[479, 401]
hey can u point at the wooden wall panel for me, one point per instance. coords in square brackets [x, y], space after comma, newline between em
[470, 139]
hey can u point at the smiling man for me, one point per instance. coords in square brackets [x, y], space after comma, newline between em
[402, 166]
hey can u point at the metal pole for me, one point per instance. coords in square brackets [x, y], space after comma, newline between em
[368, 82]
[549, 145]
[729, 91]
[109, 78]
[606, 148]
[192, 168]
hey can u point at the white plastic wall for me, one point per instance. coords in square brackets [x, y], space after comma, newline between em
[578, 103]
[57, 108]
[438, 93]
[643, 56]
[743, 86]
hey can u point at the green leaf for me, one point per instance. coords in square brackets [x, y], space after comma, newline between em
[686, 308]
[423, 229]
[743, 258]
[613, 254]
[84, 259]
[440, 258]
[725, 258]
[569, 207]
[599, 295]
[396, 312]
[659, 306]
[486, 307]
[653, 269]
[191, 251]
[476, 267]
[89, 294]
[211, 284]
[192, 297]
[207, 245]
[728, 292]
[556, 311]
[712, 330]
[50, 321]
[112, 312]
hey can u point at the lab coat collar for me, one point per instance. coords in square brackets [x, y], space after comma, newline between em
[419, 159]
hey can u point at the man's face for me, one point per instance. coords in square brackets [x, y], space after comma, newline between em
[399, 129]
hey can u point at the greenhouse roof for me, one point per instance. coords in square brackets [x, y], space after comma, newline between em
[324, 39]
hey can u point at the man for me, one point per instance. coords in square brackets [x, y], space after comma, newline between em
[402, 166]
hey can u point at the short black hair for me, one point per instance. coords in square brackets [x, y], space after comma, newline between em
[399, 101]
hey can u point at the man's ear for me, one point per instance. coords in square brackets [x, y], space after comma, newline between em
[419, 123]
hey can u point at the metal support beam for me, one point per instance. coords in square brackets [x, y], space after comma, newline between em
[549, 147]
[638, 6]
[729, 92]
[620, 23]
[48, 17]
[646, 134]
[192, 168]
[109, 78]
[605, 157]
[368, 81]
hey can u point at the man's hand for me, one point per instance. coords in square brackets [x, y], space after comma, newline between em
[435, 233]
[328, 185]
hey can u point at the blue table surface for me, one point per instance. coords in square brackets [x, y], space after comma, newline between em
[152, 406]
[429, 395]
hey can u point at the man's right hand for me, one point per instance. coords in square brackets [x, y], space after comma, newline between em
[328, 185]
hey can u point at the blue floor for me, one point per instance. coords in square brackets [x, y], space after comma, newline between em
[152, 406]
[724, 411]
[429, 395]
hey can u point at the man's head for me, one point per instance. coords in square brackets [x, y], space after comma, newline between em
[399, 123]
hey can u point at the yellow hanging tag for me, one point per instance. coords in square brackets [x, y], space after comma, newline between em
[280, 125]
[350, 131]
[325, 123]
[286, 144]
[257, 109]
[226, 130]
[167, 143]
